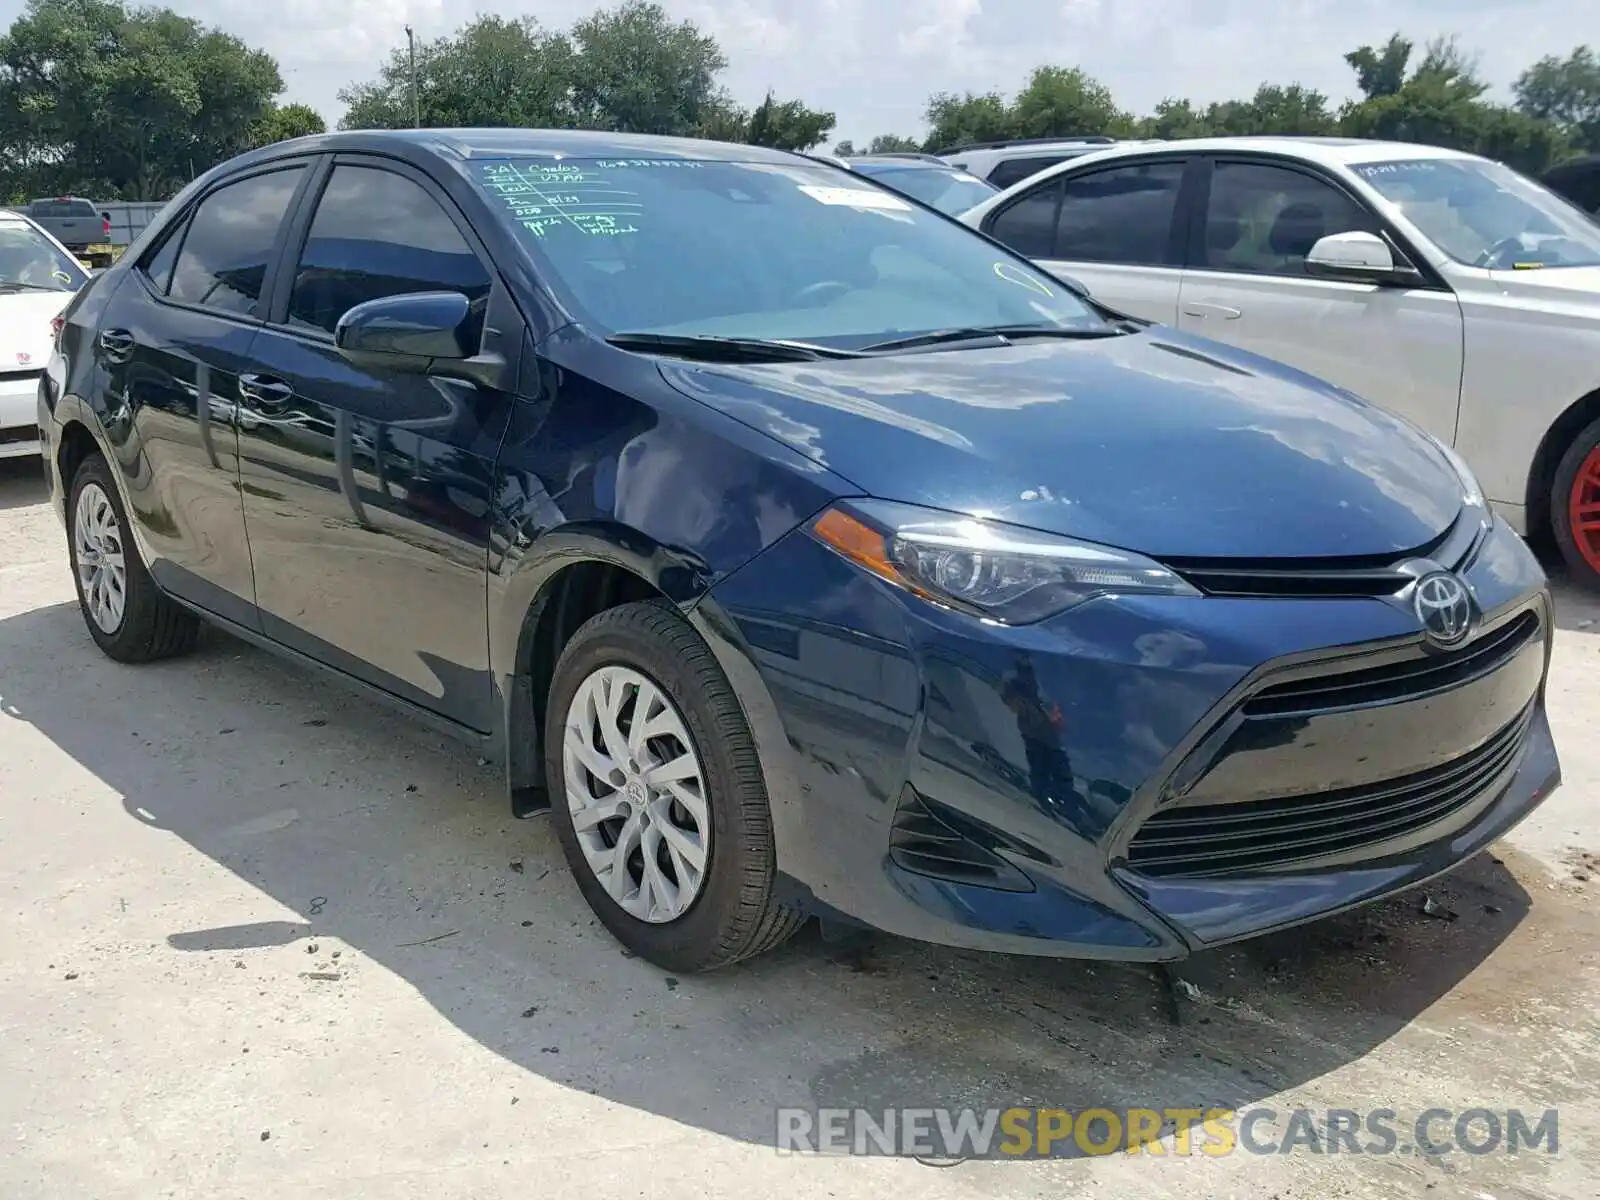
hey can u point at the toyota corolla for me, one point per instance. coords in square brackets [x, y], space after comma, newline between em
[800, 551]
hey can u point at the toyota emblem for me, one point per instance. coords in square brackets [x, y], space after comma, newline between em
[1443, 607]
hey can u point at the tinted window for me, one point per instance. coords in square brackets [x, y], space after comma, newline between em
[62, 208]
[1264, 219]
[158, 264]
[1015, 170]
[379, 234]
[1028, 224]
[687, 246]
[1121, 214]
[224, 257]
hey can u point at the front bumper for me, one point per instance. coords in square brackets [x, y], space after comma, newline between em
[19, 392]
[1032, 789]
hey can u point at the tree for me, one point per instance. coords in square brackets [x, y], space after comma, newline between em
[955, 120]
[640, 72]
[491, 72]
[287, 121]
[1065, 102]
[1380, 72]
[1440, 104]
[1566, 92]
[846, 148]
[893, 143]
[116, 102]
[788, 125]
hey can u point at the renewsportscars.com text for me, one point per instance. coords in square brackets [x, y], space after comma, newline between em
[1071, 1133]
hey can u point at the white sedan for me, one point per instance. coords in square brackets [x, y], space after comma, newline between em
[1443, 286]
[38, 276]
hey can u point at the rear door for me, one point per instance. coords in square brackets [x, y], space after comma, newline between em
[172, 343]
[367, 491]
[1116, 229]
[1247, 285]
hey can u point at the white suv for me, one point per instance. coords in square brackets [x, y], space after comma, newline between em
[1443, 286]
[1005, 163]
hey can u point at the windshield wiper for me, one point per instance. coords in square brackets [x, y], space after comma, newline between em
[13, 285]
[733, 349]
[999, 333]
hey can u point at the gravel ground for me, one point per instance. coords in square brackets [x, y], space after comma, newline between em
[262, 938]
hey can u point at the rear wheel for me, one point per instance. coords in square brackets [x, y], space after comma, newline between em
[658, 794]
[127, 615]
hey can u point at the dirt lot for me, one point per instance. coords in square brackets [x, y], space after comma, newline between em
[263, 939]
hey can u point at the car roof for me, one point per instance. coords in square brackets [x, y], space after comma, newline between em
[1325, 151]
[529, 143]
[896, 161]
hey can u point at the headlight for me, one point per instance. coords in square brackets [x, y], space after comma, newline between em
[1003, 572]
[1471, 493]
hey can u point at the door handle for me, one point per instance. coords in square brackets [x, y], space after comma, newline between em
[265, 393]
[116, 344]
[1202, 311]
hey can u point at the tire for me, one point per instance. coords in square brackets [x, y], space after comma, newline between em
[149, 625]
[733, 913]
[1575, 507]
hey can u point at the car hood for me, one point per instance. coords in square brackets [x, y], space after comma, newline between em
[1564, 282]
[25, 337]
[1157, 441]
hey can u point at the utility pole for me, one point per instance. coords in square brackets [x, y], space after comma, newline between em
[416, 106]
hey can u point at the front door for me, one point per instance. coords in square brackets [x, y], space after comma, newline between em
[367, 491]
[173, 340]
[1114, 230]
[1398, 347]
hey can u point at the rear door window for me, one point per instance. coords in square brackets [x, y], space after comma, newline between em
[225, 255]
[1121, 214]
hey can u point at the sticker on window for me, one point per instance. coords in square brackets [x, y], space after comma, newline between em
[856, 198]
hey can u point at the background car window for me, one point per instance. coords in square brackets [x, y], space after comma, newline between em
[224, 258]
[950, 191]
[1121, 215]
[379, 234]
[1264, 220]
[62, 208]
[1028, 224]
[1015, 170]
[28, 259]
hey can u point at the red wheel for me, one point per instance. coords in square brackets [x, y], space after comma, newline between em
[1575, 507]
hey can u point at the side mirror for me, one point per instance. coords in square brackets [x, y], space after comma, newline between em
[409, 331]
[1362, 257]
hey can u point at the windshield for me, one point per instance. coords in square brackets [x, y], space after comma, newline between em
[1485, 214]
[28, 259]
[761, 250]
[945, 188]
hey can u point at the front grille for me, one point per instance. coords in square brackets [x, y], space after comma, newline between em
[1408, 679]
[1229, 839]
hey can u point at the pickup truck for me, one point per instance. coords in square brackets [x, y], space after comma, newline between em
[74, 222]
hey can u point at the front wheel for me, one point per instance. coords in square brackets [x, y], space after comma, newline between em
[127, 615]
[658, 795]
[1575, 507]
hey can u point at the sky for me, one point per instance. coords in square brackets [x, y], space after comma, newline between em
[874, 62]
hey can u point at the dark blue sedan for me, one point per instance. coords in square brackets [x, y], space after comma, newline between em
[800, 551]
[932, 181]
